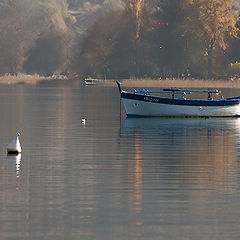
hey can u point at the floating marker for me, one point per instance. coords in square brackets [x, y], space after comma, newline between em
[14, 147]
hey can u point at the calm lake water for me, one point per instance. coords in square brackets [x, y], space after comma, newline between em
[113, 178]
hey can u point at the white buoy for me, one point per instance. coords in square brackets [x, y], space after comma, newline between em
[14, 147]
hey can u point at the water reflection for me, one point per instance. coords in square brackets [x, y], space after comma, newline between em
[135, 173]
[144, 179]
[15, 159]
[204, 148]
[184, 167]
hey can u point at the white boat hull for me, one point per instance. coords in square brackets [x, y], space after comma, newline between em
[150, 109]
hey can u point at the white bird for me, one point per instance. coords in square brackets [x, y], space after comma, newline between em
[14, 147]
[83, 121]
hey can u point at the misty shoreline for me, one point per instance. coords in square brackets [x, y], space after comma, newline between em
[22, 78]
[187, 83]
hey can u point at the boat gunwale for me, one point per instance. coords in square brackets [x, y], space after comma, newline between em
[179, 101]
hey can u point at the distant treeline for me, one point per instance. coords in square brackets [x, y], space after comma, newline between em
[162, 38]
[35, 36]
[121, 39]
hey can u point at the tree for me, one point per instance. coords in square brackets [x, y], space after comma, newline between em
[51, 52]
[14, 43]
[23, 22]
[233, 53]
[106, 44]
[166, 53]
[212, 21]
[160, 38]
[136, 8]
[15, 37]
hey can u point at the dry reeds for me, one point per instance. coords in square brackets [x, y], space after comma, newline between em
[178, 83]
[22, 78]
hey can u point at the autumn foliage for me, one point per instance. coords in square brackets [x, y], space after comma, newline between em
[121, 39]
[161, 38]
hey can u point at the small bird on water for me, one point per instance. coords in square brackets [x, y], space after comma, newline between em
[14, 147]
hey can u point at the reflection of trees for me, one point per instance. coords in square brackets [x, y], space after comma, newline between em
[199, 153]
[183, 166]
[214, 151]
[135, 177]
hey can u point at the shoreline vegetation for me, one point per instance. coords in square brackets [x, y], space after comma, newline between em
[147, 82]
[182, 83]
[22, 79]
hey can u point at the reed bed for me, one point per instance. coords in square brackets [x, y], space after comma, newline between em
[22, 78]
[146, 82]
[178, 83]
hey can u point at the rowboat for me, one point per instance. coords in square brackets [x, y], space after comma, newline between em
[90, 81]
[141, 103]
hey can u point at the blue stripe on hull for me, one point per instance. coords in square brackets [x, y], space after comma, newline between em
[190, 116]
[188, 102]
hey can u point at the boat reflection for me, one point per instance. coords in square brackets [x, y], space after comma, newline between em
[199, 151]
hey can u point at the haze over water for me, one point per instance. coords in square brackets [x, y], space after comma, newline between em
[112, 178]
